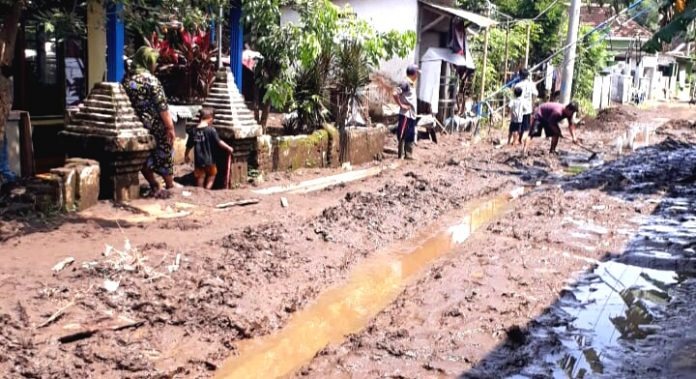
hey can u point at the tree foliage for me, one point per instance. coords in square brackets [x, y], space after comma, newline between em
[496, 53]
[592, 57]
[678, 15]
[553, 22]
[548, 33]
[292, 51]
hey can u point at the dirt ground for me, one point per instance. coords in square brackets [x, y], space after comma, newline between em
[175, 297]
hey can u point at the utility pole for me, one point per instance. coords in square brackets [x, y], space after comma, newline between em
[570, 53]
[485, 62]
[526, 54]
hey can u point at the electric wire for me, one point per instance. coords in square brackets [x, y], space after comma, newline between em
[601, 26]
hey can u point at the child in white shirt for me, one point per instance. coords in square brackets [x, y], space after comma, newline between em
[516, 117]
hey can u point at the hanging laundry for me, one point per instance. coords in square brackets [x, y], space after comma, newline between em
[457, 36]
[250, 57]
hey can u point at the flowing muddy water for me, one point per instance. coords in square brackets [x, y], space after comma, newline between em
[348, 308]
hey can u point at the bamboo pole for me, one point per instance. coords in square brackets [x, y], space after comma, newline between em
[505, 69]
[485, 61]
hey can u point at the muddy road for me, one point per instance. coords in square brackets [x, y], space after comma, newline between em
[184, 295]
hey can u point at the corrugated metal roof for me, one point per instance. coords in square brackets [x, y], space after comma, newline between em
[477, 19]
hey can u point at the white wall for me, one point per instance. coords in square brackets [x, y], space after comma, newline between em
[384, 16]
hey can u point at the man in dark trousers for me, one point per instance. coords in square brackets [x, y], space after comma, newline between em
[405, 97]
[548, 117]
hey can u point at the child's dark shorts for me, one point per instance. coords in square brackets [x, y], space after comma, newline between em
[516, 127]
[526, 123]
[549, 130]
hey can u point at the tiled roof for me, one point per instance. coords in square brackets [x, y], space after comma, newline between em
[594, 15]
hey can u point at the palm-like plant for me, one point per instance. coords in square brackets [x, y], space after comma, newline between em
[353, 71]
[310, 103]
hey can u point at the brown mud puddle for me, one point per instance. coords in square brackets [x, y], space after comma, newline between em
[348, 308]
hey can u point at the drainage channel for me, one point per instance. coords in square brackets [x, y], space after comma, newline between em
[348, 308]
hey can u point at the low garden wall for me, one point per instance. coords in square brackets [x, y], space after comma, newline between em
[319, 149]
[365, 144]
[291, 153]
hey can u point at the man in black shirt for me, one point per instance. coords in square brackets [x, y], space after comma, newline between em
[204, 139]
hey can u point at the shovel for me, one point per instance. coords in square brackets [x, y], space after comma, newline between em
[594, 153]
[228, 172]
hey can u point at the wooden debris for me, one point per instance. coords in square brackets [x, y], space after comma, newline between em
[58, 314]
[89, 332]
[238, 203]
[63, 264]
[77, 336]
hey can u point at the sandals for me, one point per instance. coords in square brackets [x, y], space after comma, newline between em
[162, 194]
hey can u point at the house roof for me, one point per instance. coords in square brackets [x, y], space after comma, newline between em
[476, 19]
[622, 27]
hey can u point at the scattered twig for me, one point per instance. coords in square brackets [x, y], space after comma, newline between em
[87, 333]
[58, 314]
[237, 203]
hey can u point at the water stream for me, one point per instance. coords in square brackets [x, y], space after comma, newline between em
[348, 308]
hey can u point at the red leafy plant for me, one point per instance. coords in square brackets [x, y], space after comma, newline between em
[185, 67]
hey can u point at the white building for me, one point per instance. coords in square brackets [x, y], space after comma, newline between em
[430, 20]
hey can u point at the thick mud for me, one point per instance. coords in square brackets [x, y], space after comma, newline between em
[347, 308]
[188, 293]
[181, 307]
[612, 227]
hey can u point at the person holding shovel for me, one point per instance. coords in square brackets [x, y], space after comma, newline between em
[548, 117]
[405, 97]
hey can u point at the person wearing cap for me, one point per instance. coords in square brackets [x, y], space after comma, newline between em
[405, 97]
[548, 117]
[529, 91]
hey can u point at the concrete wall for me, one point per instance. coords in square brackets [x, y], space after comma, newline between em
[384, 16]
[621, 88]
[13, 143]
[365, 144]
[320, 149]
[294, 152]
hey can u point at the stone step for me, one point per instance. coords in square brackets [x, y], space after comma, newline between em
[116, 119]
[135, 124]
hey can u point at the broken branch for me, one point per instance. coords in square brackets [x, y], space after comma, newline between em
[58, 314]
[238, 203]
